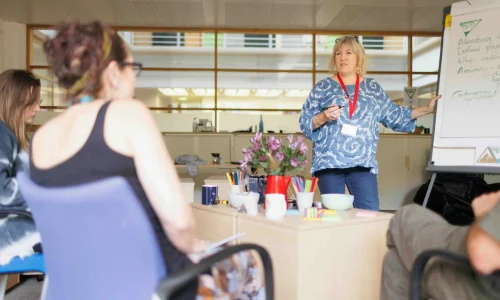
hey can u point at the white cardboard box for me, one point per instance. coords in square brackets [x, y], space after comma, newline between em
[224, 188]
[188, 188]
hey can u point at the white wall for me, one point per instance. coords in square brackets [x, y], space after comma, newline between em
[12, 45]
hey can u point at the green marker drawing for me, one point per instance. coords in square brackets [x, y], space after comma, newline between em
[469, 25]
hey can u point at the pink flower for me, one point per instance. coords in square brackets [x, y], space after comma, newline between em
[300, 139]
[256, 147]
[244, 166]
[263, 157]
[247, 157]
[303, 148]
[256, 139]
[294, 162]
[273, 144]
[289, 138]
[280, 156]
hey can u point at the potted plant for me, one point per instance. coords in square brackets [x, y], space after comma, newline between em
[276, 158]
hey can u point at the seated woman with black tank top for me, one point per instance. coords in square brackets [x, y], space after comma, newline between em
[106, 133]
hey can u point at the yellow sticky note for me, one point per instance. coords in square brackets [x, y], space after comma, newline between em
[447, 21]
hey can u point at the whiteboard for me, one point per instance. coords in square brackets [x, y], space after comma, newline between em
[467, 120]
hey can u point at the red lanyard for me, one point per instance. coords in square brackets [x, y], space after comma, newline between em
[354, 101]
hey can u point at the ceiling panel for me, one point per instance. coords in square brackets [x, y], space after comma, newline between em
[237, 14]
[348, 15]
[281, 15]
[303, 17]
[359, 15]
[148, 12]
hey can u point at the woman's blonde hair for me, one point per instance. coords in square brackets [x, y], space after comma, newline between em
[358, 50]
[19, 89]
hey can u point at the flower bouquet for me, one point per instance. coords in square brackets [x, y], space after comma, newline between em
[275, 156]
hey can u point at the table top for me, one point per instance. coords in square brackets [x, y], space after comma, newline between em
[211, 166]
[348, 217]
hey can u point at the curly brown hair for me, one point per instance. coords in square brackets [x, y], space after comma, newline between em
[77, 52]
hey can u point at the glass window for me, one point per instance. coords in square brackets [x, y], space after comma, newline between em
[393, 85]
[264, 51]
[176, 89]
[383, 53]
[262, 90]
[50, 93]
[169, 39]
[38, 37]
[259, 40]
[171, 49]
[427, 87]
[275, 121]
[426, 53]
[181, 120]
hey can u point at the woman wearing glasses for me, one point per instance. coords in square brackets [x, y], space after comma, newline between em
[19, 103]
[341, 117]
[106, 133]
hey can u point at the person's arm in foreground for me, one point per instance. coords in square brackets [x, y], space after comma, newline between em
[158, 175]
[483, 240]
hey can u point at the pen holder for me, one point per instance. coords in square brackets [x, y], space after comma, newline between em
[304, 200]
[236, 197]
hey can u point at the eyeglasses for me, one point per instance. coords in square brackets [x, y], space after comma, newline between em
[347, 37]
[137, 67]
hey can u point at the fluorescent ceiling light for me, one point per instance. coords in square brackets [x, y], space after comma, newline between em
[261, 93]
[303, 93]
[292, 93]
[173, 92]
[180, 92]
[274, 93]
[243, 92]
[199, 92]
[230, 92]
[166, 91]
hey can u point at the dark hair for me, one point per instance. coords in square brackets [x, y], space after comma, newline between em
[77, 51]
[19, 89]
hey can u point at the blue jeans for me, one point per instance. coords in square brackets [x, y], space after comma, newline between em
[361, 183]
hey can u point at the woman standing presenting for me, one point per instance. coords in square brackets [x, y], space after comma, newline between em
[341, 117]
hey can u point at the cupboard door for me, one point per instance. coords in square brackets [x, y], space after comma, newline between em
[214, 143]
[392, 178]
[418, 150]
[178, 144]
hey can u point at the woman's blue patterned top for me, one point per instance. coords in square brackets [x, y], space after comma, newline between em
[332, 149]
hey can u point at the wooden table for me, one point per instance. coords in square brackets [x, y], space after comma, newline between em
[311, 259]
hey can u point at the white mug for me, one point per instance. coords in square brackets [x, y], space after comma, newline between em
[275, 206]
[251, 203]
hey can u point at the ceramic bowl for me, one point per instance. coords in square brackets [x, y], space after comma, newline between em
[337, 201]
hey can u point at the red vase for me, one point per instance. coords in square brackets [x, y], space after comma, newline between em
[278, 185]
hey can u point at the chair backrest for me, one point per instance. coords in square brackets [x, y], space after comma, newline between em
[97, 240]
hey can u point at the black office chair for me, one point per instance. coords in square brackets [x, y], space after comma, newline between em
[176, 281]
[418, 267]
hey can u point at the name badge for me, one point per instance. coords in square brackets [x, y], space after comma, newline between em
[350, 130]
